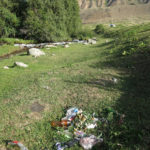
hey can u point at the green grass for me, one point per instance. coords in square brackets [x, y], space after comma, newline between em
[12, 41]
[5, 49]
[77, 76]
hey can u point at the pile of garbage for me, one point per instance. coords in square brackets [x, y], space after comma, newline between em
[81, 128]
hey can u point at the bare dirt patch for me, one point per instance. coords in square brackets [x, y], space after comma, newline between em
[36, 107]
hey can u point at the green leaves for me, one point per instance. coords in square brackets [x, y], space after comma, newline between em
[8, 22]
[48, 20]
[52, 20]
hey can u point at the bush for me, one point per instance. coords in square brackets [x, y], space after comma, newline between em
[8, 23]
[83, 34]
[99, 29]
[53, 20]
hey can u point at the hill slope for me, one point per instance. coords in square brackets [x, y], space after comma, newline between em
[113, 10]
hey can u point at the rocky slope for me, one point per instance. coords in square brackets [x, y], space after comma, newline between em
[107, 10]
[84, 4]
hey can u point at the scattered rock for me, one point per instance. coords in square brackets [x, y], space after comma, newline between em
[48, 46]
[76, 40]
[69, 43]
[85, 43]
[107, 41]
[36, 52]
[115, 80]
[91, 41]
[112, 25]
[53, 54]
[66, 46]
[21, 64]
[59, 43]
[46, 87]
[6, 67]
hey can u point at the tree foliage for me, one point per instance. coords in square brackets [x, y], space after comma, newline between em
[8, 19]
[44, 20]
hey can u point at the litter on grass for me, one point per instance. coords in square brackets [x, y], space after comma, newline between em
[81, 128]
[17, 144]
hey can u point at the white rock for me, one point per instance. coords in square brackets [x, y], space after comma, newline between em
[107, 41]
[91, 41]
[115, 80]
[6, 67]
[85, 43]
[36, 52]
[46, 87]
[69, 43]
[53, 54]
[48, 46]
[112, 25]
[66, 46]
[16, 44]
[21, 64]
[76, 40]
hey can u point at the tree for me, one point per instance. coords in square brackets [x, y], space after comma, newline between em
[8, 19]
[52, 20]
[44, 20]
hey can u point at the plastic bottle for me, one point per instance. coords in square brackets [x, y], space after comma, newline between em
[63, 123]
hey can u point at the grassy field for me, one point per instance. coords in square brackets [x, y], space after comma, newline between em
[79, 76]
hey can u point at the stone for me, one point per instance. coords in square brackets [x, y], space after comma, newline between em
[21, 64]
[112, 25]
[91, 41]
[36, 52]
[66, 46]
[107, 41]
[85, 43]
[6, 67]
[48, 46]
[76, 41]
[115, 81]
[46, 87]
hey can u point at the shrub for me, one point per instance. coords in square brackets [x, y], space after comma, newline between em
[8, 23]
[99, 29]
[52, 20]
[83, 34]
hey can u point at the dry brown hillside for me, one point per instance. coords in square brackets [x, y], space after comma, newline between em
[113, 10]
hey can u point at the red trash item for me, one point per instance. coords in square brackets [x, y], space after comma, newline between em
[63, 123]
[20, 145]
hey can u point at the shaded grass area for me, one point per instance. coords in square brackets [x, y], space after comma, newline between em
[135, 98]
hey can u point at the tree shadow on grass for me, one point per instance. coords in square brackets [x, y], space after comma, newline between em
[135, 100]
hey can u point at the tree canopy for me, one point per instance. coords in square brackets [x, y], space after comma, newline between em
[48, 20]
